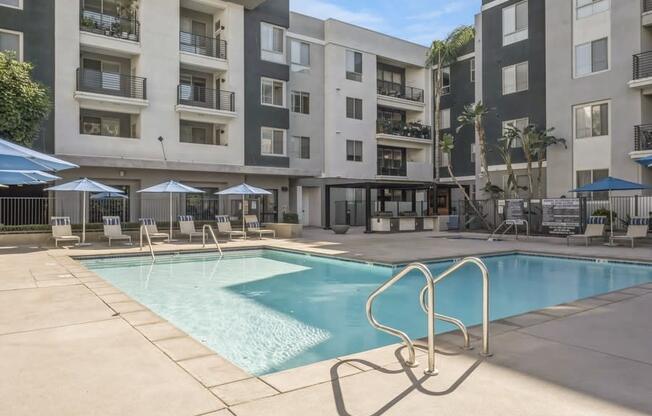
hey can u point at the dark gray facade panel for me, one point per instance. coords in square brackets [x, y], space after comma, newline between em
[495, 56]
[36, 22]
[276, 12]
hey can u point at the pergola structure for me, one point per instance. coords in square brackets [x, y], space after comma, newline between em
[368, 186]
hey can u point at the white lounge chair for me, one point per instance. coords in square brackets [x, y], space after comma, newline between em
[253, 227]
[637, 229]
[113, 230]
[152, 229]
[62, 231]
[187, 227]
[224, 227]
[594, 229]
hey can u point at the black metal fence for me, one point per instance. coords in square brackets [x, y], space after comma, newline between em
[202, 45]
[393, 89]
[110, 83]
[643, 137]
[642, 65]
[197, 96]
[107, 25]
[400, 128]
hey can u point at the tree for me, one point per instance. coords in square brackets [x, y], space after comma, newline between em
[504, 147]
[447, 144]
[473, 115]
[546, 140]
[443, 53]
[24, 103]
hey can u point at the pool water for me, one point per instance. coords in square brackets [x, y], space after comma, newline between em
[268, 310]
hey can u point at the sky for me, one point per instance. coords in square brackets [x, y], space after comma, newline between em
[419, 21]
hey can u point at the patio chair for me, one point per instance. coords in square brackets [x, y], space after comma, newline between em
[224, 227]
[253, 227]
[62, 231]
[152, 229]
[637, 229]
[594, 229]
[113, 230]
[187, 227]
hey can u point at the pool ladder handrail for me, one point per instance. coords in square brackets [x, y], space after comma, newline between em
[427, 302]
[210, 229]
[510, 224]
[149, 240]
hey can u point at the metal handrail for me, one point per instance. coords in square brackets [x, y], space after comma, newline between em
[485, 296]
[510, 224]
[217, 243]
[428, 305]
[149, 240]
[392, 331]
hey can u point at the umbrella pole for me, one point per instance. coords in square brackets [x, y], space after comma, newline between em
[611, 218]
[84, 217]
[244, 230]
[170, 236]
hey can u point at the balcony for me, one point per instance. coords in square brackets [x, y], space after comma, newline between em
[643, 137]
[642, 72]
[403, 131]
[111, 26]
[394, 95]
[400, 171]
[202, 104]
[202, 53]
[110, 91]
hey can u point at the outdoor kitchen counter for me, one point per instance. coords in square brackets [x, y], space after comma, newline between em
[387, 224]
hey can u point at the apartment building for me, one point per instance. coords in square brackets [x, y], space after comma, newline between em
[368, 122]
[27, 29]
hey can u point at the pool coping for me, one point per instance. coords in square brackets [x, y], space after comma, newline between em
[197, 359]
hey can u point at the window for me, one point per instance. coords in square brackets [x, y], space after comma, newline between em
[109, 124]
[272, 92]
[272, 142]
[585, 177]
[515, 23]
[202, 133]
[391, 161]
[515, 78]
[472, 69]
[586, 8]
[300, 102]
[519, 123]
[591, 57]
[354, 150]
[301, 147]
[445, 119]
[300, 53]
[11, 41]
[446, 80]
[353, 65]
[272, 43]
[16, 4]
[592, 120]
[354, 108]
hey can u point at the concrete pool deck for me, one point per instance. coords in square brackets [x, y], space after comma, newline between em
[73, 344]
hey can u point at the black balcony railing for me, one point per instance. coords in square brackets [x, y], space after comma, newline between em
[643, 137]
[400, 128]
[392, 171]
[110, 83]
[392, 89]
[197, 96]
[127, 28]
[642, 65]
[647, 5]
[202, 45]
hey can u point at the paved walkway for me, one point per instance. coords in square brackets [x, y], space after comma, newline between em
[72, 344]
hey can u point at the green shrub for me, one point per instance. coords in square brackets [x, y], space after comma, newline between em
[290, 217]
[603, 212]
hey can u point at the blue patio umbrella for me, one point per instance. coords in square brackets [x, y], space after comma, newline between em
[84, 185]
[645, 161]
[25, 177]
[609, 184]
[171, 187]
[16, 157]
[244, 190]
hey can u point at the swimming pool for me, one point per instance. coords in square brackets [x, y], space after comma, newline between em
[269, 310]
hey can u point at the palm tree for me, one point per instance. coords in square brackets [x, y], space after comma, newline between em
[446, 145]
[546, 140]
[443, 53]
[473, 115]
[505, 146]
